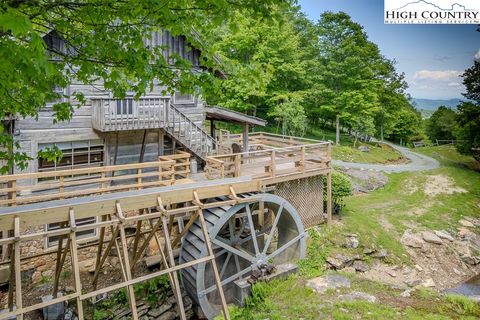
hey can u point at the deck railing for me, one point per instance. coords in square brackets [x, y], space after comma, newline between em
[129, 114]
[271, 156]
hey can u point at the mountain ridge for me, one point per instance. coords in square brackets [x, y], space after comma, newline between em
[434, 104]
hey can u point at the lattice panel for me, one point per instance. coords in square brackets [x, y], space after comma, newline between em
[306, 195]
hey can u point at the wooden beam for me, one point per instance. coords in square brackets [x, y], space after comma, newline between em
[18, 276]
[74, 261]
[329, 198]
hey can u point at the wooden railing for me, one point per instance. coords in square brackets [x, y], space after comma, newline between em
[129, 114]
[181, 165]
[88, 181]
[270, 162]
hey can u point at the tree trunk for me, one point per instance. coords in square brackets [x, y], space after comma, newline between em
[337, 135]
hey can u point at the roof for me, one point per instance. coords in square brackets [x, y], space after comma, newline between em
[222, 114]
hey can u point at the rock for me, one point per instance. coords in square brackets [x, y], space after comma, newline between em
[341, 261]
[357, 295]
[468, 259]
[368, 250]
[322, 284]
[349, 270]
[381, 254]
[466, 223]
[431, 237]
[457, 272]
[351, 242]
[418, 267]
[36, 277]
[413, 282]
[170, 315]
[406, 293]
[159, 311]
[364, 149]
[360, 266]
[411, 240]
[391, 273]
[444, 235]
[428, 283]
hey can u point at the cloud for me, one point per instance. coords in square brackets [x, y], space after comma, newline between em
[454, 84]
[477, 56]
[446, 75]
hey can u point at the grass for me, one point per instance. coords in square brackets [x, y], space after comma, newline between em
[379, 219]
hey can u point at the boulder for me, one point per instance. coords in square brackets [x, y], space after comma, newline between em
[428, 283]
[340, 261]
[360, 266]
[466, 223]
[351, 242]
[431, 237]
[332, 281]
[411, 240]
[443, 235]
[364, 149]
[381, 254]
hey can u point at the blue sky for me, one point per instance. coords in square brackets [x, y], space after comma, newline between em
[431, 56]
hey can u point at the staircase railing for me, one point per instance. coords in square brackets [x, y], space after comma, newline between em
[188, 133]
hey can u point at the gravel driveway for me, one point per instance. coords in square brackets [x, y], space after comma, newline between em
[417, 162]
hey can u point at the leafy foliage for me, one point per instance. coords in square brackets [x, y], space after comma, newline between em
[442, 124]
[105, 43]
[341, 187]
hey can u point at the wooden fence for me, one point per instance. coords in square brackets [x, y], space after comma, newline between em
[63, 184]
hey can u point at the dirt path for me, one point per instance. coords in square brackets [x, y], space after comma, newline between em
[417, 162]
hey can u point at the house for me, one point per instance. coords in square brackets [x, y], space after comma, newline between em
[108, 131]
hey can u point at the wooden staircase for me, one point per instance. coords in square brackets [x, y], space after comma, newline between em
[190, 135]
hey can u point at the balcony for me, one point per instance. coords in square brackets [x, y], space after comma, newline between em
[129, 114]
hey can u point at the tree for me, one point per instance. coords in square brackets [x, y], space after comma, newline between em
[104, 42]
[350, 68]
[468, 117]
[442, 125]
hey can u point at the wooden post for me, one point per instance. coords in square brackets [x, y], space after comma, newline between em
[273, 165]
[245, 137]
[13, 185]
[337, 130]
[329, 198]
[18, 279]
[62, 188]
[237, 165]
[74, 256]
[302, 159]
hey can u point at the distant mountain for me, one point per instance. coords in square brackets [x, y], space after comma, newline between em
[431, 104]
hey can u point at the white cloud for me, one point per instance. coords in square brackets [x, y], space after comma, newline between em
[454, 84]
[445, 75]
[477, 55]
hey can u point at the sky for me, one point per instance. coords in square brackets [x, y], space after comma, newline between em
[431, 56]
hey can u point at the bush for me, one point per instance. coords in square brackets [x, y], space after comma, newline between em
[341, 188]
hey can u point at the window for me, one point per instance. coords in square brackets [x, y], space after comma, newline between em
[125, 106]
[86, 234]
[61, 92]
[76, 154]
[183, 98]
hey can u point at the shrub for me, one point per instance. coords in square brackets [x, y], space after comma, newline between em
[341, 188]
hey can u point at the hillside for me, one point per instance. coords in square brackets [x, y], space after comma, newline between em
[433, 104]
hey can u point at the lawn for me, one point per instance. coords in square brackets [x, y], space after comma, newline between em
[379, 219]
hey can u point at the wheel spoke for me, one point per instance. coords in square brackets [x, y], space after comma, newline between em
[226, 281]
[285, 246]
[252, 230]
[225, 264]
[232, 236]
[270, 236]
[245, 255]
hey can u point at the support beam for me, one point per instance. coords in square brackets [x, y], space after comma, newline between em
[75, 268]
[18, 279]
[329, 198]
[245, 137]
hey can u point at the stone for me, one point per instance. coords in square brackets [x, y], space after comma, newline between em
[368, 250]
[352, 242]
[444, 235]
[428, 283]
[4, 274]
[48, 273]
[406, 293]
[340, 261]
[364, 149]
[431, 237]
[36, 277]
[170, 315]
[468, 259]
[360, 266]
[357, 295]
[413, 282]
[160, 310]
[466, 223]
[418, 267]
[411, 240]
[381, 254]
[55, 311]
[391, 273]
[324, 283]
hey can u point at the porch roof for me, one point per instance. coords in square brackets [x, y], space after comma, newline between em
[222, 114]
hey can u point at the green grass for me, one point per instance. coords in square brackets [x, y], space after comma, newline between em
[379, 219]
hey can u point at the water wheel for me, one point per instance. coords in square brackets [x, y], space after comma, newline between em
[242, 240]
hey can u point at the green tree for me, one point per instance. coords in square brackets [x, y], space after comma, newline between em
[104, 42]
[442, 125]
[350, 69]
[468, 117]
